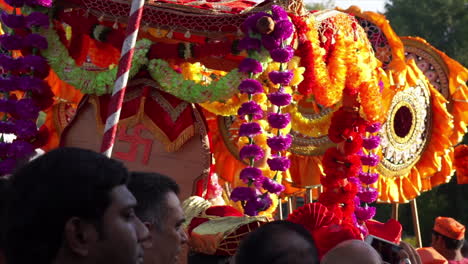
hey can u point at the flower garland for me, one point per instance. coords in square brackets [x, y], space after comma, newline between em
[188, 90]
[88, 82]
[346, 183]
[22, 76]
[351, 66]
[317, 127]
[270, 32]
[230, 106]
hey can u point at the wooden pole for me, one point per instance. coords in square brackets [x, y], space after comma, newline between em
[417, 230]
[291, 202]
[309, 195]
[280, 209]
[395, 207]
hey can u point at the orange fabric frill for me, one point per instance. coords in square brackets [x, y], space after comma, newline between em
[457, 77]
[435, 165]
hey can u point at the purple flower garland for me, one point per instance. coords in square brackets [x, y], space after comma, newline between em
[25, 74]
[367, 194]
[255, 200]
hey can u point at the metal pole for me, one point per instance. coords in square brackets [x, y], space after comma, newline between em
[417, 230]
[395, 211]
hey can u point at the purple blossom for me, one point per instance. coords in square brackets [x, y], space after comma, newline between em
[11, 42]
[270, 42]
[280, 143]
[36, 41]
[281, 77]
[279, 121]
[250, 24]
[283, 29]
[37, 19]
[381, 85]
[12, 21]
[8, 63]
[371, 142]
[4, 147]
[250, 86]
[356, 181]
[368, 195]
[7, 166]
[249, 129]
[242, 194]
[356, 201]
[282, 54]
[370, 160]
[257, 204]
[278, 163]
[251, 152]
[248, 43]
[363, 229]
[7, 127]
[250, 108]
[37, 64]
[6, 105]
[278, 13]
[272, 186]
[368, 177]
[25, 128]
[27, 109]
[44, 3]
[15, 3]
[373, 128]
[8, 84]
[251, 174]
[20, 149]
[280, 98]
[365, 213]
[249, 65]
[33, 84]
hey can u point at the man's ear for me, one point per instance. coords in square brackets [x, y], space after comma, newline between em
[148, 240]
[79, 235]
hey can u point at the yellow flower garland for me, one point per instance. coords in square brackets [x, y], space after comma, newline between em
[317, 127]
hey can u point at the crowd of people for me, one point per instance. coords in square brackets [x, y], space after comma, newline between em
[75, 206]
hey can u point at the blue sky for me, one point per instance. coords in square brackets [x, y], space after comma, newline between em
[365, 5]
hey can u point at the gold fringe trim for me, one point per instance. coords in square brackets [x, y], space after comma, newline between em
[141, 117]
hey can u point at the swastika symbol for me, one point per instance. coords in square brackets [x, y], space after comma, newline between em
[135, 141]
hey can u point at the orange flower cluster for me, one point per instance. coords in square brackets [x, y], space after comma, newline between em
[461, 163]
[351, 67]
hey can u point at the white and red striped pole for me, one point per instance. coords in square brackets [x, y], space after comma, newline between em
[125, 63]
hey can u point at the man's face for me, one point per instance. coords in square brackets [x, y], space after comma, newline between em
[169, 238]
[122, 232]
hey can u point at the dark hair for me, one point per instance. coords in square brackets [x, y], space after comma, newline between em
[464, 249]
[268, 244]
[450, 243]
[199, 258]
[150, 190]
[3, 203]
[48, 191]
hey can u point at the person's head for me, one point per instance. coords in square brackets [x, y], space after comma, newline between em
[464, 249]
[200, 258]
[72, 206]
[447, 234]
[277, 243]
[159, 208]
[352, 252]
